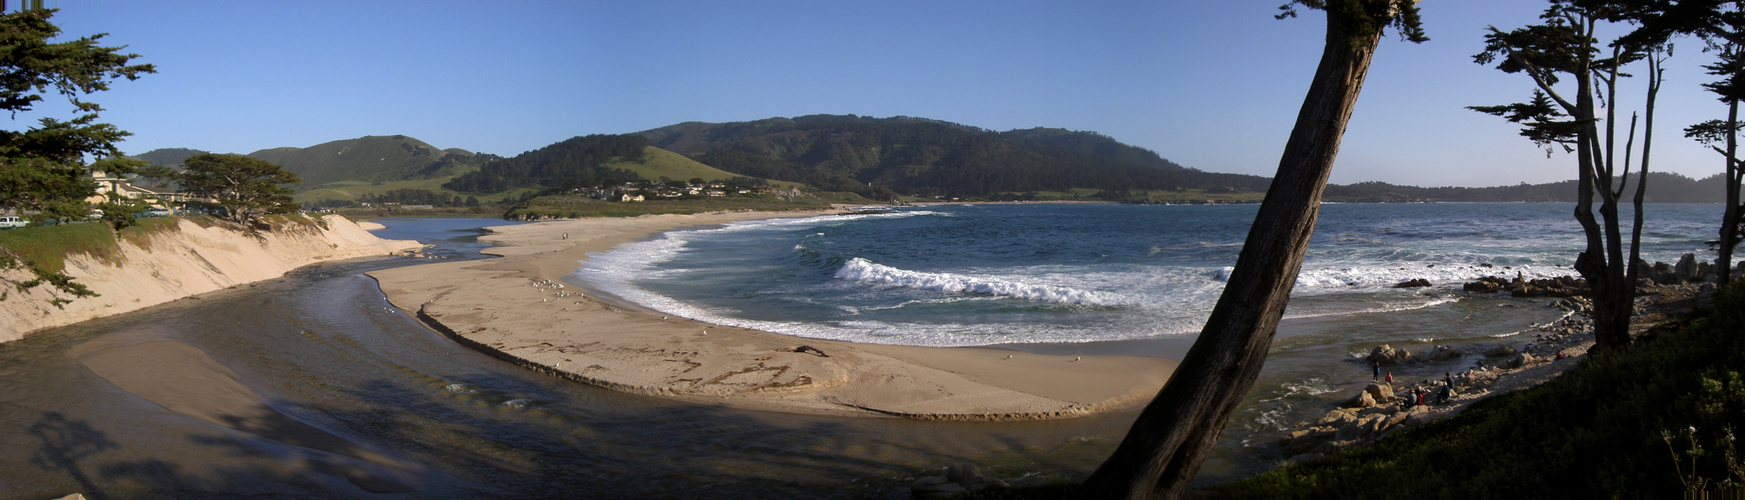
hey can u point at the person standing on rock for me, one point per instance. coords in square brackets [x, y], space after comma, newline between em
[1377, 370]
[1448, 379]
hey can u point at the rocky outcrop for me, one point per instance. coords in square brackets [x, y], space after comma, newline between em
[1387, 355]
[1416, 283]
[188, 260]
[1562, 286]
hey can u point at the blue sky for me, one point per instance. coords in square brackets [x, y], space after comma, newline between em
[1211, 85]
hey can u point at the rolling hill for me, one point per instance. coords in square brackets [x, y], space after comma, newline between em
[368, 159]
[883, 157]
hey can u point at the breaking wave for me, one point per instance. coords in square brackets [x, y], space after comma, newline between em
[865, 271]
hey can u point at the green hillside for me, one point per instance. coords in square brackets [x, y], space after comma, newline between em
[370, 158]
[882, 158]
[657, 163]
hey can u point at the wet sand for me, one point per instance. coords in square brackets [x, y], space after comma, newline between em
[520, 309]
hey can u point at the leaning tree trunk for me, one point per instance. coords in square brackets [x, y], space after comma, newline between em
[1730, 213]
[1176, 431]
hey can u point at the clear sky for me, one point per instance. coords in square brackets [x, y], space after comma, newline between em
[1213, 85]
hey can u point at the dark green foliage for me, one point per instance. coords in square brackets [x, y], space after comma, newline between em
[247, 188]
[880, 157]
[1624, 422]
[1541, 122]
[1406, 21]
[42, 169]
[573, 163]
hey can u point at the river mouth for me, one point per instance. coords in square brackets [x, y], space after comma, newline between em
[406, 407]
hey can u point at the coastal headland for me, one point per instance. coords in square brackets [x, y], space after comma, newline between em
[520, 309]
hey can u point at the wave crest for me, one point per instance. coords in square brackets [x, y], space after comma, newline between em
[865, 271]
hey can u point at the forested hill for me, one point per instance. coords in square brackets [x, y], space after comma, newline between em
[1067, 142]
[574, 162]
[1662, 188]
[369, 158]
[879, 157]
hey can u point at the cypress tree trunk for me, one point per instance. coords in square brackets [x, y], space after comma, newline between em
[1165, 447]
[1730, 214]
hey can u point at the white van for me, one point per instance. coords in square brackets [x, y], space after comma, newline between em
[12, 221]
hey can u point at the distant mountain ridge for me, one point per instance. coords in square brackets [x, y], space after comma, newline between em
[876, 157]
[881, 157]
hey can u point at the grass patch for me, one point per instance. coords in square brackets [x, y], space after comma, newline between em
[1653, 419]
[658, 163]
[46, 247]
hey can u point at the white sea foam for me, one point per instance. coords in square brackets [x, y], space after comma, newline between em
[865, 271]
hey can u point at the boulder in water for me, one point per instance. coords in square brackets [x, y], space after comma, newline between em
[1388, 355]
[1416, 283]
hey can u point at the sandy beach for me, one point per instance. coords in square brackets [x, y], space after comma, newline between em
[521, 309]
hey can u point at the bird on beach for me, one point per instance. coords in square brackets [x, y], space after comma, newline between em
[1076, 358]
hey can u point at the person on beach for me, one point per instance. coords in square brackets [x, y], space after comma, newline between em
[1447, 379]
[1377, 370]
[1390, 377]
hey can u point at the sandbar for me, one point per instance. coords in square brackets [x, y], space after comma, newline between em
[519, 308]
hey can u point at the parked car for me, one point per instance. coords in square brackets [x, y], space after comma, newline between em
[12, 222]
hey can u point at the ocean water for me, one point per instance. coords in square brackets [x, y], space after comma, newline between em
[975, 275]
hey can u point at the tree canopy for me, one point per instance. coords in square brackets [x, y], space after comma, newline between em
[247, 188]
[44, 169]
